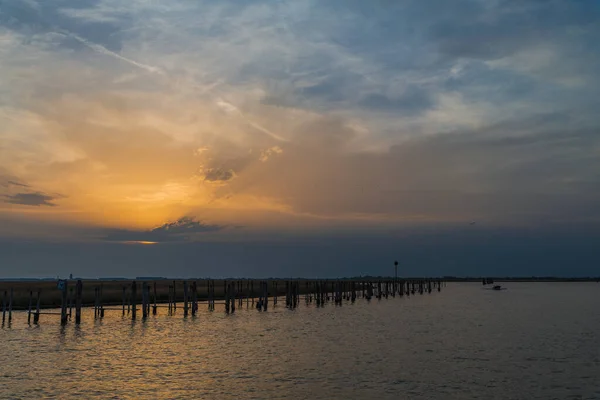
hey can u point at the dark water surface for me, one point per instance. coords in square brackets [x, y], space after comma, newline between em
[532, 341]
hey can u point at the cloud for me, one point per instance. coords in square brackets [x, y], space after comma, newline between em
[31, 199]
[218, 174]
[17, 184]
[304, 111]
[413, 101]
[25, 195]
[184, 229]
[517, 172]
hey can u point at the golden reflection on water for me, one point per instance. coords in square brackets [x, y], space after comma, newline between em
[537, 341]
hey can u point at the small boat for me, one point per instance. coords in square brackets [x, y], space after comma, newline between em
[495, 287]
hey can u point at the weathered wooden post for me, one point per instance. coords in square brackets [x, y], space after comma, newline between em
[95, 302]
[266, 295]
[4, 306]
[231, 289]
[209, 293]
[185, 298]
[78, 295]
[63, 304]
[101, 300]
[322, 291]
[194, 298]
[232, 298]
[36, 316]
[123, 298]
[29, 308]
[70, 303]
[248, 294]
[227, 299]
[155, 309]
[174, 297]
[144, 300]
[306, 300]
[148, 300]
[133, 300]
[295, 293]
[10, 304]
[170, 298]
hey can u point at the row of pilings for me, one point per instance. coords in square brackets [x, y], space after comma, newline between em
[144, 296]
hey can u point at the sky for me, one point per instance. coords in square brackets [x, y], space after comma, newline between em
[299, 138]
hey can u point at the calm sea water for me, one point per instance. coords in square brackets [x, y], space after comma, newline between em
[532, 341]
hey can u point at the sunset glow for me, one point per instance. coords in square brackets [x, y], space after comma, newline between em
[258, 119]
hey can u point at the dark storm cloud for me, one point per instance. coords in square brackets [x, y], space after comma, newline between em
[31, 199]
[183, 229]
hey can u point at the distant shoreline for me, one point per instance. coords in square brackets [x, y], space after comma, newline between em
[354, 278]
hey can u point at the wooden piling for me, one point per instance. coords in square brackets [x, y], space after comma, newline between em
[133, 300]
[29, 308]
[248, 294]
[36, 316]
[194, 298]
[144, 300]
[63, 305]
[95, 302]
[100, 299]
[226, 292]
[155, 309]
[78, 301]
[185, 298]
[266, 295]
[70, 303]
[123, 296]
[210, 294]
[4, 306]
[174, 297]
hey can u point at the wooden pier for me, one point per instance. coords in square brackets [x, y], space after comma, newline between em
[126, 297]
